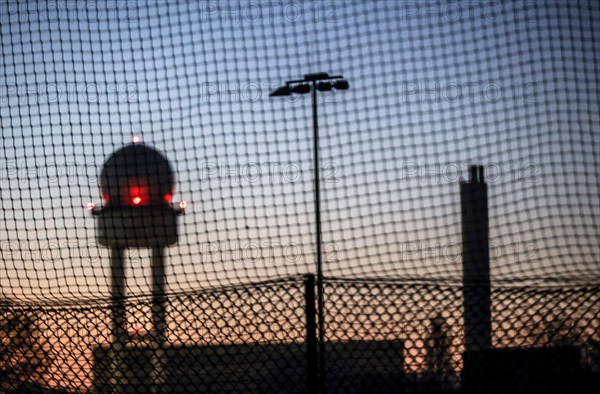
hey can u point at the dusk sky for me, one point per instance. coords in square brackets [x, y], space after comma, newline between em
[433, 88]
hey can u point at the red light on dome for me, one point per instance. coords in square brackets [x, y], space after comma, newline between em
[105, 198]
[168, 198]
[138, 195]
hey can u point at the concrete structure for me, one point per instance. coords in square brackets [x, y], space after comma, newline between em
[137, 185]
[476, 261]
[359, 367]
[525, 371]
[549, 370]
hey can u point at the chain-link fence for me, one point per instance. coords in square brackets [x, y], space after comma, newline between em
[380, 336]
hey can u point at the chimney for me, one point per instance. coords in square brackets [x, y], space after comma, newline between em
[476, 261]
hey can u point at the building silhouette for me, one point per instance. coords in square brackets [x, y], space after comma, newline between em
[359, 367]
[542, 370]
[476, 261]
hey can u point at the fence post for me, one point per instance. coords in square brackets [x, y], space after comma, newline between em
[311, 335]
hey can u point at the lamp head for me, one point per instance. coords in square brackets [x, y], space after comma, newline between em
[341, 84]
[281, 91]
[302, 88]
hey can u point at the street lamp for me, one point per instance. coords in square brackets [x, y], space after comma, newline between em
[312, 83]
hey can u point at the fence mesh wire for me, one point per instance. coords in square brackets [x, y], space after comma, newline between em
[434, 87]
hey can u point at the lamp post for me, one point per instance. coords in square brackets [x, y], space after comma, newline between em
[311, 84]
